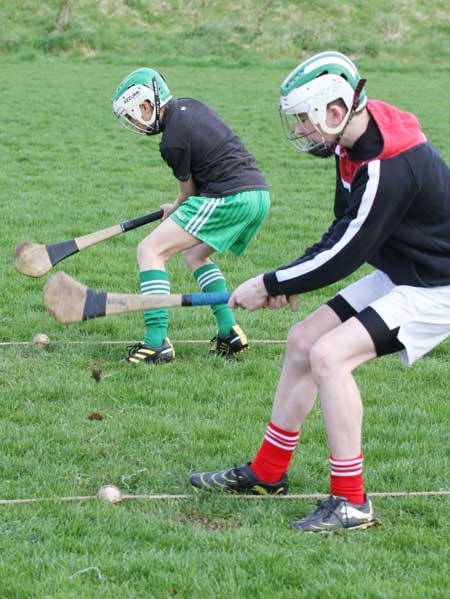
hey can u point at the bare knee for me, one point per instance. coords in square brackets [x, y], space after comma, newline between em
[150, 249]
[300, 339]
[325, 360]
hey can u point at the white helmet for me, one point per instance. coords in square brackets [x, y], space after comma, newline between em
[310, 88]
[139, 86]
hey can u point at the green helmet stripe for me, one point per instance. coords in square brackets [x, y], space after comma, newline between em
[323, 61]
[333, 63]
[144, 76]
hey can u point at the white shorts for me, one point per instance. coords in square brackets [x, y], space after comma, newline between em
[421, 314]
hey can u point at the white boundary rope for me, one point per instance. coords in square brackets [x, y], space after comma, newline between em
[442, 493]
[129, 342]
[187, 497]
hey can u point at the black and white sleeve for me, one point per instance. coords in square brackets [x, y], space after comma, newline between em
[381, 193]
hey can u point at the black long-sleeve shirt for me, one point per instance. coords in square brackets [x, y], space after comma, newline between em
[392, 210]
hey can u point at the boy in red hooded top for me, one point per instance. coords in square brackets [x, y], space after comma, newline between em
[392, 210]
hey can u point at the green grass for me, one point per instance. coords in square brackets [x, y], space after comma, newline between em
[239, 33]
[67, 169]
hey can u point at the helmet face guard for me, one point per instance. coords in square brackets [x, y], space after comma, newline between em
[127, 109]
[300, 141]
[140, 86]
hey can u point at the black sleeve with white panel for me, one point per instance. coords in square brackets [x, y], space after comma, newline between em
[381, 193]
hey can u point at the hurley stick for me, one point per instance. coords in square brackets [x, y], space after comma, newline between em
[36, 259]
[69, 301]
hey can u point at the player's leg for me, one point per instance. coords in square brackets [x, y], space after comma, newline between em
[153, 252]
[379, 329]
[230, 338]
[333, 359]
[295, 397]
[297, 388]
[222, 224]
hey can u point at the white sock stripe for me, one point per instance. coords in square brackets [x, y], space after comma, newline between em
[165, 284]
[211, 280]
[273, 442]
[352, 467]
[293, 437]
[153, 281]
[345, 466]
[348, 473]
[156, 291]
[215, 275]
[158, 285]
[209, 273]
[288, 445]
[150, 284]
[345, 463]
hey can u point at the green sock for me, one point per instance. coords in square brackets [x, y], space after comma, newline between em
[209, 279]
[156, 321]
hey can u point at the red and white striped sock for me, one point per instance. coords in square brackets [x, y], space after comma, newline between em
[275, 453]
[347, 478]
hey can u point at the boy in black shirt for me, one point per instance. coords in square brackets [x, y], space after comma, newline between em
[222, 201]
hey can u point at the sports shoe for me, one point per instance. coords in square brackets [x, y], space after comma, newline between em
[240, 479]
[140, 352]
[235, 343]
[336, 513]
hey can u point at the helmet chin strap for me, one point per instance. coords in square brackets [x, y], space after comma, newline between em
[327, 148]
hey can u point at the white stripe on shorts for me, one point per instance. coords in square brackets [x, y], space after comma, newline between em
[203, 215]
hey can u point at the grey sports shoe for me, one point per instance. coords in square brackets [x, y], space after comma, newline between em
[240, 479]
[336, 513]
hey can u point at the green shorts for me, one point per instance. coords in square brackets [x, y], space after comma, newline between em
[228, 223]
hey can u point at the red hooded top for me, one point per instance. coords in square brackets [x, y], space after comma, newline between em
[400, 131]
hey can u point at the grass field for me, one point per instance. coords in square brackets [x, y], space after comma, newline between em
[68, 169]
[236, 33]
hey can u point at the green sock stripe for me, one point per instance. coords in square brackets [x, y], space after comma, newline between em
[211, 276]
[156, 321]
[203, 269]
[157, 286]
